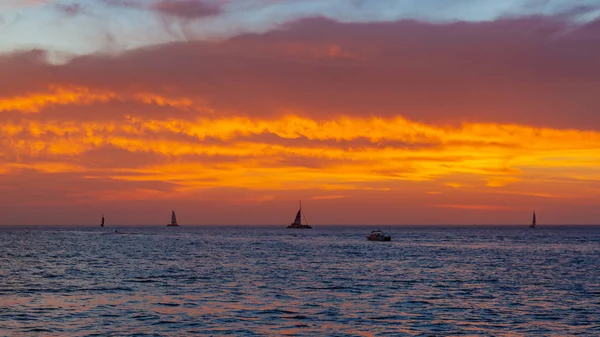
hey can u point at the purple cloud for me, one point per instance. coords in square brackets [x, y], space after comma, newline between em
[186, 9]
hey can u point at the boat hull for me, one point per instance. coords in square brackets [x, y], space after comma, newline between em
[385, 238]
[299, 226]
[172, 225]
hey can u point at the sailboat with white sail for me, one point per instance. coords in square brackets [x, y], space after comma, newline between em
[298, 220]
[173, 220]
[533, 221]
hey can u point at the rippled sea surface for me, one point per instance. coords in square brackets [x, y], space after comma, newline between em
[328, 281]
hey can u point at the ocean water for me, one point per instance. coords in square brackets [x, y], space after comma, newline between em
[328, 281]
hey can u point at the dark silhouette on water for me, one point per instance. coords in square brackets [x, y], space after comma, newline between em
[533, 222]
[298, 220]
[102, 223]
[378, 235]
[173, 220]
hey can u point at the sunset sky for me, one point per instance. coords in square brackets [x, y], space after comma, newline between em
[230, 111]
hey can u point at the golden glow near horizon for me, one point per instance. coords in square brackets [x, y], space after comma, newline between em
[210, 150]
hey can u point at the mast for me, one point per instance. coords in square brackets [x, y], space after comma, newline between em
[300, 210]
[305, 221]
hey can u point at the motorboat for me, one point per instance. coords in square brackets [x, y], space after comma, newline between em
[378, 235]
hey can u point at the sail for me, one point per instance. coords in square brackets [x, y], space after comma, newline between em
[298, 219]
[102, 224]
[173, 218]
[533, 221]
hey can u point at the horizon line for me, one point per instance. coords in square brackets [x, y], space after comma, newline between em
[284, 226]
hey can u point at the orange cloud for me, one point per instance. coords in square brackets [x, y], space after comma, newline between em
[379, 149]
[501, 181]
[58, 95]
[539, 195]
[479, 207]
[55, 95]
[455, 185]
[327, 197]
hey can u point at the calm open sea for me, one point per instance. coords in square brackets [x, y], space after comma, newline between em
[328, 281]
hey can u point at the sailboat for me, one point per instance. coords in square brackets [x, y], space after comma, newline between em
[173, 220]
[298, 220]
[102, 223]
[533, 221]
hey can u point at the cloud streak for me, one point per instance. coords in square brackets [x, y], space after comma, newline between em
[186, 9]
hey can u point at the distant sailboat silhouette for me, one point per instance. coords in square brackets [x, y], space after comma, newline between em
[173, 220]
[102, 223]
[533, 222]
[298, 220]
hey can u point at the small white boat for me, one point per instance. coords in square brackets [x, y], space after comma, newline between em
[378, 235]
